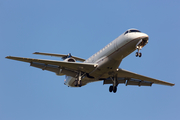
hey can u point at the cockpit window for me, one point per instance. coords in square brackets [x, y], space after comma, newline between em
[130, 31]
[126, 32]
[134, 31]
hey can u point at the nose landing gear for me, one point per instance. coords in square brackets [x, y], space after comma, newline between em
[140, 45]
[138, 54]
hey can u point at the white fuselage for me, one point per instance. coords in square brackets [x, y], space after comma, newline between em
[110, 57]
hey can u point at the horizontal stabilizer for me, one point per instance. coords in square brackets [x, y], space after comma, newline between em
[59, 55]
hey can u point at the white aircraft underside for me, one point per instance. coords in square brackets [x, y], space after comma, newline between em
[101, 66]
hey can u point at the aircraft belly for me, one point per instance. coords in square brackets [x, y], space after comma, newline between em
[104, 67]
[70, 81]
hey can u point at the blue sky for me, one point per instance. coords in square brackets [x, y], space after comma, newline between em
[82, 28]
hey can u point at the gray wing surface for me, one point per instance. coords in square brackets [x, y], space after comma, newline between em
[73, 66]
[142, 79]
[130, 78]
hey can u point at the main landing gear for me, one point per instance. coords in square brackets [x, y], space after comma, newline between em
[113, 88]
[78, 81]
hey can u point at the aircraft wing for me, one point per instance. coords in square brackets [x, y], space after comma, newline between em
[74, 66]
[130, 78]
[142, 79]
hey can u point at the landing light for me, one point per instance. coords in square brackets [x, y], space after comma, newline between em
[95, 65]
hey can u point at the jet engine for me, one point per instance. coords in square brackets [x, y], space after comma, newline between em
[64, 71]
[70, 60]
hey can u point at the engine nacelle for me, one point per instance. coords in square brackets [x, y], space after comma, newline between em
[70, 60]
[63, 71]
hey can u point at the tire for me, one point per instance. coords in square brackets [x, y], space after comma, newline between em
[140, 54]
[110, 88]
[136, 54]
[79, 83]
[114, 89]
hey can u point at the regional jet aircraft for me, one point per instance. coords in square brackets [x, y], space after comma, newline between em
[102, 66]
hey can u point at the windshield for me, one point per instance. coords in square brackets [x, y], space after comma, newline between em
[126, 32]
[134, 31]
[130, 31]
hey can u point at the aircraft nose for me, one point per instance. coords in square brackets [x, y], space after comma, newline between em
[139, 36]
[144, 36]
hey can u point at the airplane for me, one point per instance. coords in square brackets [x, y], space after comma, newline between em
[102, 66]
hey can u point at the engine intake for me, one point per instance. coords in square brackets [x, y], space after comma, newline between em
[70, 60]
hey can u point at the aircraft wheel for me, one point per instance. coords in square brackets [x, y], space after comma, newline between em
[79, 83]
[140, 54]
[137, 54]
[110, 88]
[115, 89]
